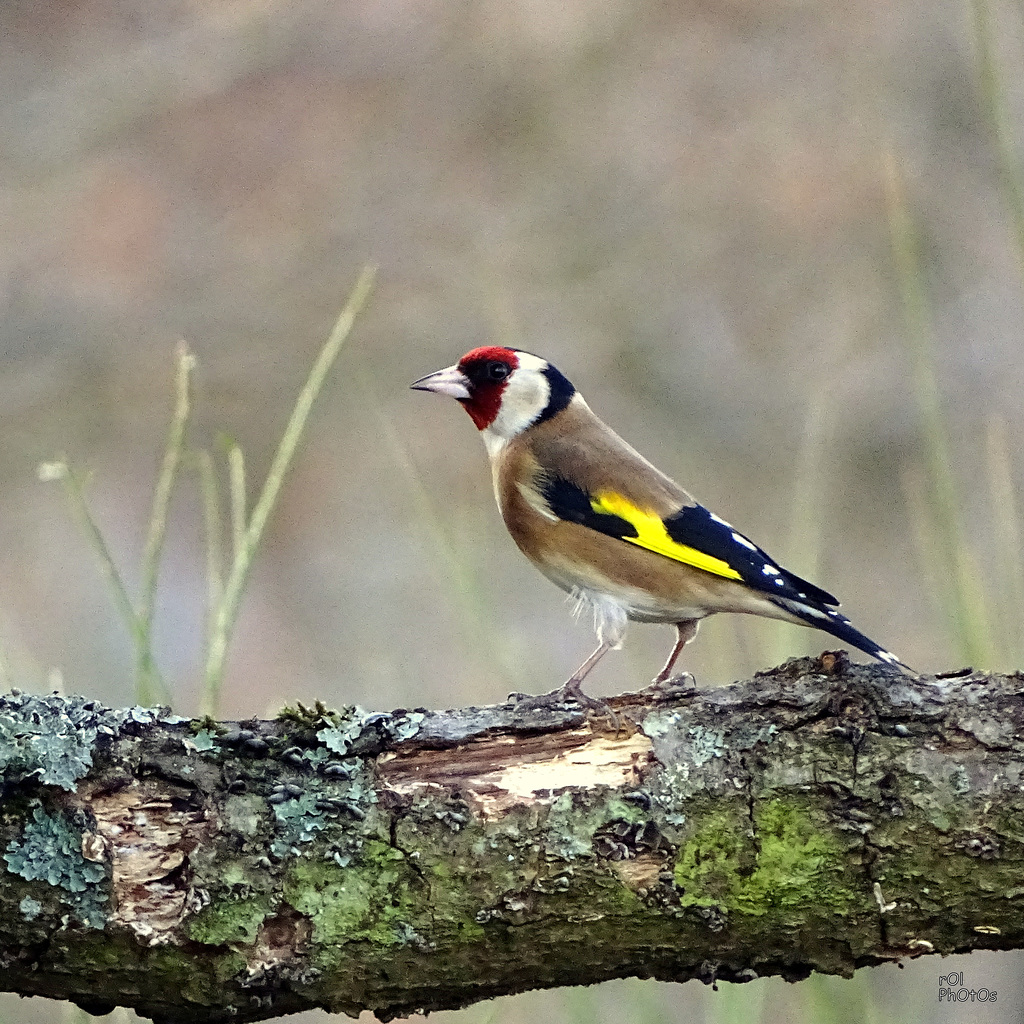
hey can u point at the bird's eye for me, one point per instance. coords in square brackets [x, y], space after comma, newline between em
[497, 370]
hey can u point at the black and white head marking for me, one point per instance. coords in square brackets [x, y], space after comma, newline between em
[533, 393]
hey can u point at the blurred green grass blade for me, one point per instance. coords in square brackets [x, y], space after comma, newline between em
[1009, 537]
[213, 527]
[906, 248]
[74, 488]
[994, 106]
[654, 1001]
[227, 610]
[805, 534]
[926, 543]
[145, 669]
[488, 1013]
[580, 1006]
[963, 597]
[236, 481]
[831, 1000]
[6, 673]
[980, 646]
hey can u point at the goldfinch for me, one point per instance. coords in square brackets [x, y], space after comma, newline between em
[606, 526]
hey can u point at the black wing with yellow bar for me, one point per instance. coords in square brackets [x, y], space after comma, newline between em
[693, 536]
[696, 537]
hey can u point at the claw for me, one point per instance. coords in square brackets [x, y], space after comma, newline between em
[571, 691]
[670, 688]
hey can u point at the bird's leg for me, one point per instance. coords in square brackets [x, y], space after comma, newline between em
[572, 688]
[685, 632]
[664, 682]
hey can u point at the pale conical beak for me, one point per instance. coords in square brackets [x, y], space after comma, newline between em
[449, 381]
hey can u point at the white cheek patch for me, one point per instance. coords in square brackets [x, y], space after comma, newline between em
[525, 397]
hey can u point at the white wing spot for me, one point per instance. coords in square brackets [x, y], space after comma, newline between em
[769, 570]
[807, 610]
[718, 519]
[780, 583]
[740, 539]
[803, 595]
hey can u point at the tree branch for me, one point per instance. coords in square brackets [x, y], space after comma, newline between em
[820, 817]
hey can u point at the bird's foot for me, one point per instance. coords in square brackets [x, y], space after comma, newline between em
[570, 691]
[670, 687]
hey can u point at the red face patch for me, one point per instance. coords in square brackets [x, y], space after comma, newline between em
[487, 370]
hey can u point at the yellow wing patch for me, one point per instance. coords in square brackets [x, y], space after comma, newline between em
[651, 534]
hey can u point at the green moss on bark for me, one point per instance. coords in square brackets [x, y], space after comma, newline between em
[780, 860]
[230, 921]
[368, 900]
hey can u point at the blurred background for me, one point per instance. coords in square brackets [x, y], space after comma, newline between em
[777, 245]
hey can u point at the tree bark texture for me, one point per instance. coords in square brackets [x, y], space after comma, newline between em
[820, 816]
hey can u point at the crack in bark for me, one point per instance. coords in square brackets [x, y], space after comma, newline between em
[751, 804]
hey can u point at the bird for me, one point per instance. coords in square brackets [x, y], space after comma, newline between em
[608, 527]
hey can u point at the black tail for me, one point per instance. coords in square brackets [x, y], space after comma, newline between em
[830, 621]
